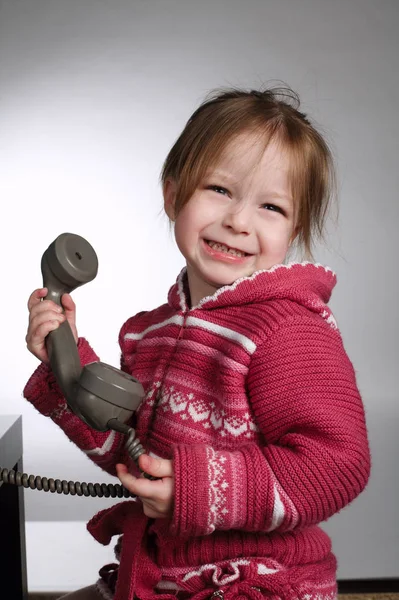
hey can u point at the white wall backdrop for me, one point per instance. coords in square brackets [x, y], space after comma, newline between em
[92, 95]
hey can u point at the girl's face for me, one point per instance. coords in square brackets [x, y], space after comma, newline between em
[239, 220]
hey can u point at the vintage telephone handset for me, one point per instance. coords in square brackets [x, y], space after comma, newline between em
[102, 396]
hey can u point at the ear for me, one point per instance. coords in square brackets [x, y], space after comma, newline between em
[169, 198]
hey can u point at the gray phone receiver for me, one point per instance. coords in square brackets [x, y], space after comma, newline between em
[102, 396]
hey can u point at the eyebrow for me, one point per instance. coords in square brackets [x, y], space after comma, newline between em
[278, 196]
[217, 173]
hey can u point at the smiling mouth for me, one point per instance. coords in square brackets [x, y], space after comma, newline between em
[226, 249]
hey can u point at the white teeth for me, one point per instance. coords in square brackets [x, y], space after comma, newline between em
[223, 248]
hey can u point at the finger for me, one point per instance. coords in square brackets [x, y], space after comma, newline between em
[35, 339]
[45, 315]
[121, 468]
[36, 297]
[37, 345]
[158, 467]
[68, 303]
[126, 478]
[147, 489]
[44, 306]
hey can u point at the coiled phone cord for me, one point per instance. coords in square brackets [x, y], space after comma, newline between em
[33, 482]
[100, 490]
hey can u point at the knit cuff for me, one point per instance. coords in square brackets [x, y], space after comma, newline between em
[42, 389]
[192, 494]
[224, 490]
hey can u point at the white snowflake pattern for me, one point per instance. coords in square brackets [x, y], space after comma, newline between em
[208, 415]
[217, 489]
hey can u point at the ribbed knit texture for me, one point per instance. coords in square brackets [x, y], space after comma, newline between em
[252, 395]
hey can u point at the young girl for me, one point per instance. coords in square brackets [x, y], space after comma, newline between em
[251, 418]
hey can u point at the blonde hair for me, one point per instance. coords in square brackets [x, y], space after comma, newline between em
[273, 114]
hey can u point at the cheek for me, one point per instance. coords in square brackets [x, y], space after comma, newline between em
[185, 230]
[276, 238]
[192, 220]
[181, 235]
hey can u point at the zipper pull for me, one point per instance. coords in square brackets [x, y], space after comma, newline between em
[182, 327]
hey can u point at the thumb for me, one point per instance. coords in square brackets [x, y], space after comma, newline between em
[158, 467]
[68, 304]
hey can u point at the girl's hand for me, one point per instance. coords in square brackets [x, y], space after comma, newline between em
[46, 316]
[156, 496]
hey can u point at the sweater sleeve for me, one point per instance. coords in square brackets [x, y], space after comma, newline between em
[314, 458]
[105, 449]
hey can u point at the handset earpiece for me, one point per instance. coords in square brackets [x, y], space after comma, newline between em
[102, 396]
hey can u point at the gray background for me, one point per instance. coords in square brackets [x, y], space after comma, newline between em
[92, 95]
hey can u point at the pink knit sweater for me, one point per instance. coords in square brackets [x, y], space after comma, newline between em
[252, 395]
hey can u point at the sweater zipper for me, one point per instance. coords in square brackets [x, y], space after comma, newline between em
[182, 327]
[179, 337]
[161, 383]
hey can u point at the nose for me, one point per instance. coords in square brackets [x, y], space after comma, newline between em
[238, 219]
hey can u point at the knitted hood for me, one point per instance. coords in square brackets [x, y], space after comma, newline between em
[309, 284]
